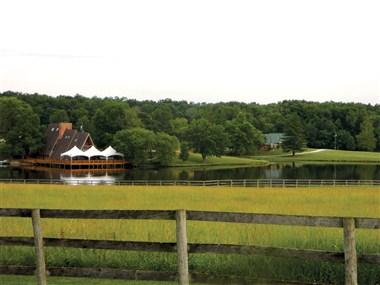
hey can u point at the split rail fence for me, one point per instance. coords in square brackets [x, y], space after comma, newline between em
[226, 182]
[181, 246]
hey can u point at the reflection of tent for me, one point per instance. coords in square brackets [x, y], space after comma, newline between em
[88, 179]
[110, 151]
[93, 151]
[74, 152]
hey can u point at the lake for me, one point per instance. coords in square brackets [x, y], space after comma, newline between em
[273, 171]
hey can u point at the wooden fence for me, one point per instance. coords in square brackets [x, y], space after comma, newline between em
[181, 247]
[210, 183]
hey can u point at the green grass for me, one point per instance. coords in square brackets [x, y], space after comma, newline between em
[323, 156]
[31, 280]
[195, 160]
[325, 201]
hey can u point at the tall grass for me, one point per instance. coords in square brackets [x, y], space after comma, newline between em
[308, 201]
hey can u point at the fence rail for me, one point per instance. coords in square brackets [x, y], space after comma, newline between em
[181, 246]
[210, 183]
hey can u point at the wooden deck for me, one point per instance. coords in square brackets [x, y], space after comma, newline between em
[76, 164]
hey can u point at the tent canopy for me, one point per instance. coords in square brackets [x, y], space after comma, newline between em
[91, 152]
[74, 152]
[110, 151]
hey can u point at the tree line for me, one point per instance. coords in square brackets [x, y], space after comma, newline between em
[149, 131]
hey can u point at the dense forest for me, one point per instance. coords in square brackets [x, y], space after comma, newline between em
[142, 128]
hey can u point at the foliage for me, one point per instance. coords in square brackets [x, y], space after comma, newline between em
[141, 146]
[184, 151]
[19, 127]
[244, 138]
[366, 138]
[136, 144]
[240, 122]
[165, 147]
[294, 135]
[58, 115]
[206, 138]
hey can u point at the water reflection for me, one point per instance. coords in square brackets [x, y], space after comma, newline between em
[274, 171]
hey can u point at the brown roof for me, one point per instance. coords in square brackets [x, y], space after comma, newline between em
[52, 134]
[70, 138]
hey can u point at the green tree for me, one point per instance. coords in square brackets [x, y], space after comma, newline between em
[5, 150]
[179, 127]
[366, 139]
[19, 127]
[184, 151]
[136, 144]
[58, 116]
[165, 147]
[243, 137]
[345, 140]
[111, 118]
[161, 119]
[206, 138]
[294, 135]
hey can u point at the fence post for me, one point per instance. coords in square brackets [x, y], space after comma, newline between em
[182, 259]
[39, 248]
[350, 259]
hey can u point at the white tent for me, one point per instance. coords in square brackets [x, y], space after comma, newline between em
[110, 151]
[93, 151]
[74, 152]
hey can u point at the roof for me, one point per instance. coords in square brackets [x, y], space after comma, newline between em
[61, 137]
[52, 135]
[274, 138]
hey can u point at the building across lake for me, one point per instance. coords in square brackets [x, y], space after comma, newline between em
[66, 147]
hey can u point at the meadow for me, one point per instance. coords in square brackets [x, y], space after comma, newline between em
[321, 201]
[328, 155]
[195, 159]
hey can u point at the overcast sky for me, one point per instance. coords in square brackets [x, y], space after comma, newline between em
[200, 51]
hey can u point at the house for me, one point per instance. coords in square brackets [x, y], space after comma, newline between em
[61, 137]
[272, 141]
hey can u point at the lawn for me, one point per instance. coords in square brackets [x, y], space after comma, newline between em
[326, 201]
[195, 160]
[323, 156]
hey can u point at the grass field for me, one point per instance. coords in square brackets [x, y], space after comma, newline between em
[364, 202]
[323, 156]
[195, 160]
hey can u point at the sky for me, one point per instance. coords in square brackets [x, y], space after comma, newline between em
[198, 51]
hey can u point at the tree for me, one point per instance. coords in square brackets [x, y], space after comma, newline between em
[111, 118]
[161, 119]
[19, 127]
[206, 138]
[136, 144]
[184, 151]
[366, 138]
[243, 137]
[345, 140]
[294, 135]
[58, 116]
[179, 127]
[165, 147]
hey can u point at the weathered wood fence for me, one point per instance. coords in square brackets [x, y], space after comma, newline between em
[224, 182]
[181, 247]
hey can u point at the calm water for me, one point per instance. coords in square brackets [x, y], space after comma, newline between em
[275, 171]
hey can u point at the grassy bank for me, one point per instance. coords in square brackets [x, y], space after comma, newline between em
[195, 160]
[328, 155]
[31, 280]
[309, 201]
